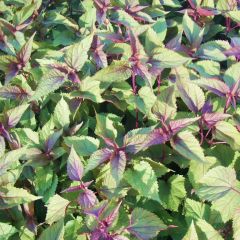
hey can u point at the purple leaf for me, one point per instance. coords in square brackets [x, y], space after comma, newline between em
[207, 107]
[74, 166]
[118, 164]
[13, 92]
[157, 136]
[87, 199]
[113, 215]
[24, 55]
[205, 12]
[213, 85]
[180, 124]
[96, 211]
[98, 158]
[210, 119]
[14, 115]
[234, 51]
[51, 141]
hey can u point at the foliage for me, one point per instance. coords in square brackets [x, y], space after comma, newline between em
[120, 119]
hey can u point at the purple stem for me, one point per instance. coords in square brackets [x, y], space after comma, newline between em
[134, 87]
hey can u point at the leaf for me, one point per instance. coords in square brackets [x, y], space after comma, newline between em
[97, 158]
[191, 233]
[87, 199]
[56, 209]
[166, 58]
[118, 164]
[144, 224]
[213, 50]
[226, 206]
[74, 166]
[6, 231]
[105, 127]
[54, 232]
[206, 68]
[208, 232]
[172, 192]
[45, 182]
[13, 92]
[196, 210]
[116, 72]
[188, 146]
[217, 182]
[25, 53]
[62, 120]
[231, 75]
[228, 133]
[124, 18]
[143, 179]
[83, 145]
[165, 106]
[14, 115]
[50, 82]
[12, 196]
[77, 54]
[236, 225]
[191, 95]
[192, 31]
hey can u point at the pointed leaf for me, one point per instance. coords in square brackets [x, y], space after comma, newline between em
[143, 179]
[188, 146]
[144, 224]
[56, 209]
[74, 166]
[55, 231]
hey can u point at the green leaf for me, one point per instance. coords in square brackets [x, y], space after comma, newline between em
[12, 196]
[232, 75]
[54, 232]
[206, 68]
[143, 179]
[166, 58]
[124, 18]
[105, 127]
[207, 231]
[165, 106]
[217, 182]
[228, 133]
[196, 210]
[144, 224]
[45, 182]
[56, 209]
[77, 54]
[191, 94]
[50, 82]
[227, 205]
[6, 231]
[118, 71]
[61, 116]
[192, 31]
[172, 192]
[84, 145]
[213, 50]
[71, 228]
[236, 225]
[188, 146]
[191, 233]
[198, 169]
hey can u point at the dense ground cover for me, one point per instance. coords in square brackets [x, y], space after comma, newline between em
[119, 119]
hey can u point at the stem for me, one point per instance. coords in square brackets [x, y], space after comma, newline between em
[134, 87]
[159, 82]
[228, 24]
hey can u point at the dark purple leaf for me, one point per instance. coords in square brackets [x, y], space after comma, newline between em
[87, 199]
[118, 164]
[51, 141]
